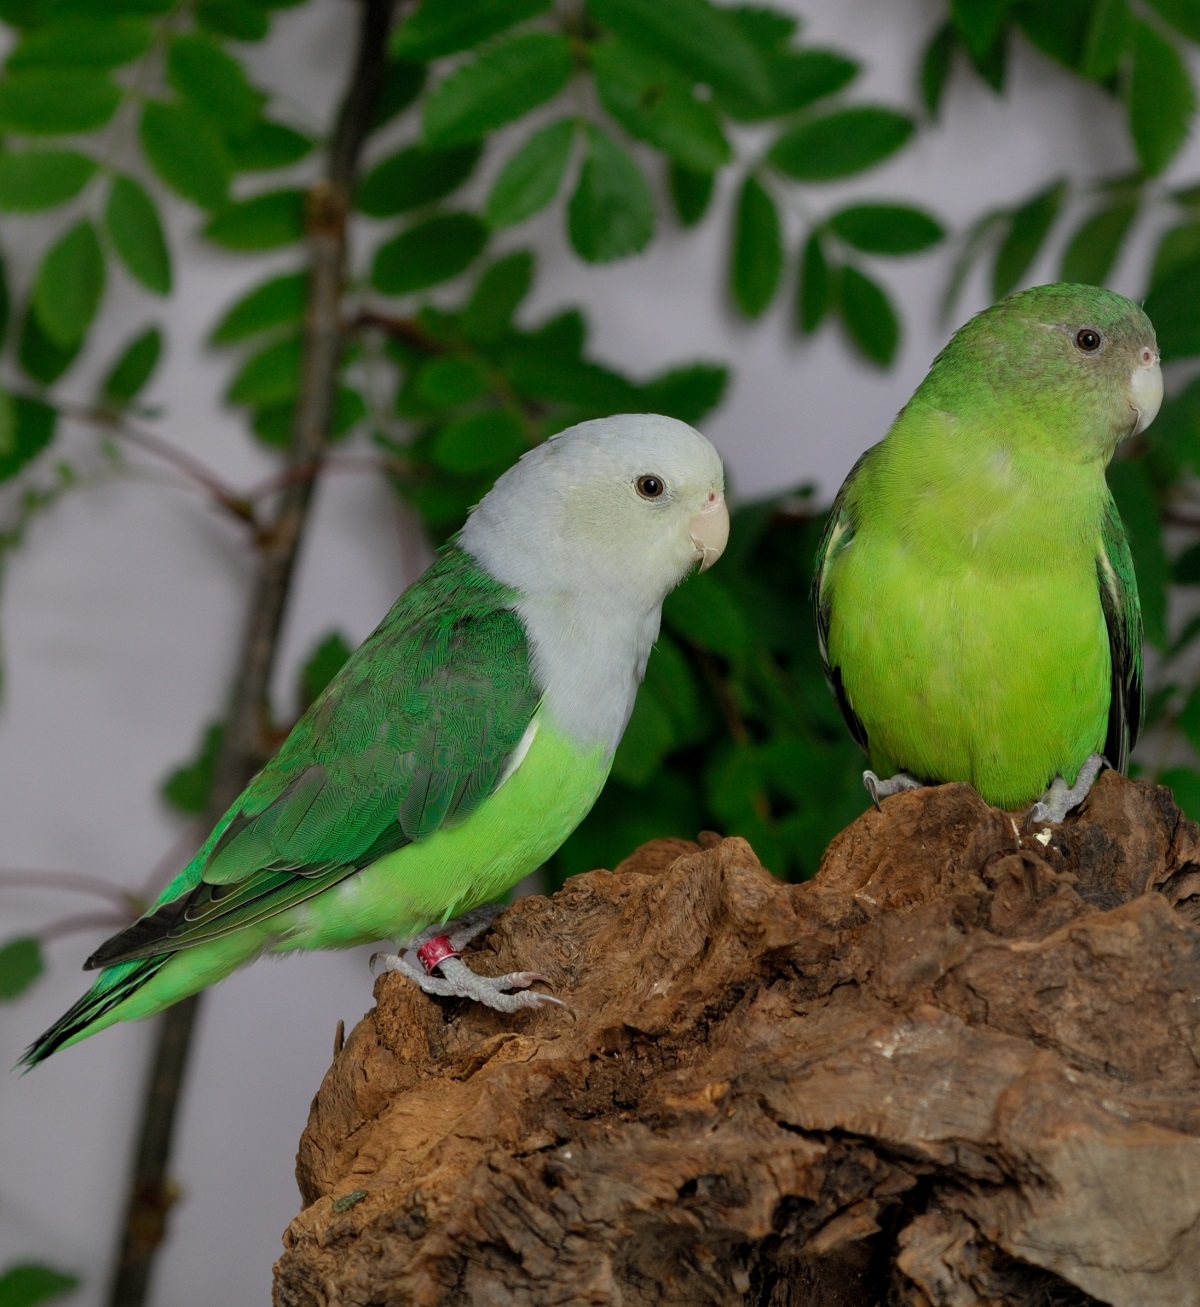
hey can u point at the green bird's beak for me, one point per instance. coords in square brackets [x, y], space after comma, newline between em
[710, 530]
[1146, 389]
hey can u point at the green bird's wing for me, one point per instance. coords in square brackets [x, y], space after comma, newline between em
[412, 735]
[838, 536]
[1123, 617]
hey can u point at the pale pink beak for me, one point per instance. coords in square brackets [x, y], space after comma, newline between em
[710, 530]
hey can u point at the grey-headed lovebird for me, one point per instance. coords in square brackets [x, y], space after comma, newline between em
[976, 603]
[457, 748]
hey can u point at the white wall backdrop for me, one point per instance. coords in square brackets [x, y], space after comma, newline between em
[123, 612]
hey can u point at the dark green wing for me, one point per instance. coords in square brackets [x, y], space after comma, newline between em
[838, 536]
[412, 735]
[1123, 617]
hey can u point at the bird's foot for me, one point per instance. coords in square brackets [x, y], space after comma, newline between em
[436, 949]
[879, 790]
[1060, 798]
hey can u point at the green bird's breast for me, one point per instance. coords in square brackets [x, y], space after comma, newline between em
[460, 866]
[970, 633]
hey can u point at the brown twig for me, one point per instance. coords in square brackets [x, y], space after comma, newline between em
[120, 428]
[75, 882]
[244, 744]
[409, 330]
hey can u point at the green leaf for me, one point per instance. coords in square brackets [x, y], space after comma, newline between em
[489, 312]
[688, 393]
[263, 222]
[1162, 99]
[705, 612]
[20, 965]
[840, 144]
[414, 176]
[110, 8]
[82, 43]
[936, 63]
[699, 39]
[479, 442]
[54, 102]
[184, 149]
[244, 20]
[690, 192]
[31, 428]
[447, 382]
[1138, 506]
[814, 293]
[611, 213]
[327, 658]
[1183, 15]
[5, 302]
[498, 86]
[268, 377]
[1171, 306]
[427, 253]
[531, 177]
[188, 787]
[30, 1283]
[40, 357]
[1105, 40]
[275, 303]
[1093, 249]
[649, 737]
[134, 367]
[868, 316]
[403, 81]
[69, 284]
[767, 29]
[757, 257]
[656, 104]
[979, 23]
[41, 179]
[441, 27]
[1184, 784]
[267, 145]
[273, 424]
[887, 228]
[214, 82]
[1028, 228]
[802, 77]
[137, 235]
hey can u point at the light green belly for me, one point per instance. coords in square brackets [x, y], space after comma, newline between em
[999, 681]
[509, 835]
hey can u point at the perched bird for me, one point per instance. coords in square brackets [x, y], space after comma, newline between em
[975, 597]
[460, 745]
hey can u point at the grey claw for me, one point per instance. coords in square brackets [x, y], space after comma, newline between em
[880, 790]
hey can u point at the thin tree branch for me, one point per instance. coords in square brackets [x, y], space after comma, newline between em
[120, 428]
[244, 744]
[76, 882]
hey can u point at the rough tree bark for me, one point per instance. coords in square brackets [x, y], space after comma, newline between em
[961, 1066]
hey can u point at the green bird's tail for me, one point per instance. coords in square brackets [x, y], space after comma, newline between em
[83, 1018]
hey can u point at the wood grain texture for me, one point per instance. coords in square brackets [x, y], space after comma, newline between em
[960, 1066]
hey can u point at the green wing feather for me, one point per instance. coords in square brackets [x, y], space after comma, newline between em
[1123, 617]
[412, 735]
[838, 536]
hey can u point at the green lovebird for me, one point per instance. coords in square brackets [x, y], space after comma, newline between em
[976, 603]
[460, 745]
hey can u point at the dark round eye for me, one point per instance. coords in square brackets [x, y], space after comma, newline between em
[1088, 340]
[650, 487]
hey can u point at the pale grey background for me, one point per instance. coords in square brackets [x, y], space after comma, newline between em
[122, 614]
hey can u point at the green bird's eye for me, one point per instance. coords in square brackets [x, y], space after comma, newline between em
[650, 487]
[1088, 340]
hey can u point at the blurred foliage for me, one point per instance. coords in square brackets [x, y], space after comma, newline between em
[633, 118]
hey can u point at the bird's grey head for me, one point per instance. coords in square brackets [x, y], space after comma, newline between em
[621, 505]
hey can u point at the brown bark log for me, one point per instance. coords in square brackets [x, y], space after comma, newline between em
[961, 1066]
